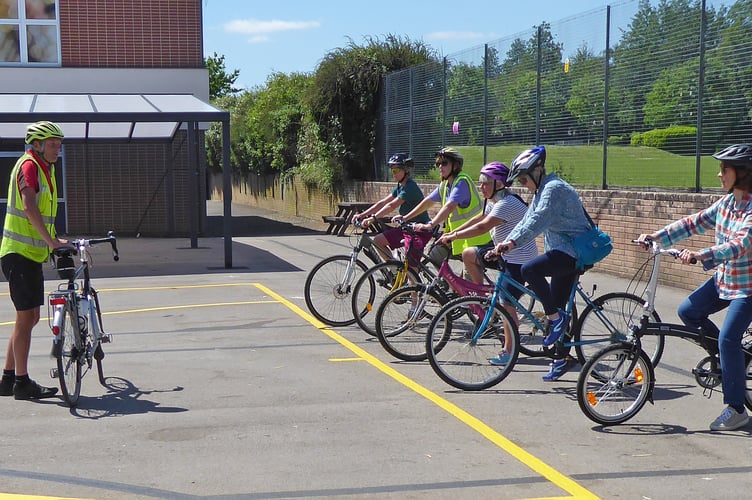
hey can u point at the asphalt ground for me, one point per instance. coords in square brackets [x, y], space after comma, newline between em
[221, 385]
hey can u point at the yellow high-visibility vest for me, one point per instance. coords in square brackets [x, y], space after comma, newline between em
[461, 215]
[19, 236]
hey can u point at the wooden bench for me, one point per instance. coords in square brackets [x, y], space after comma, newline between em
[337, 224]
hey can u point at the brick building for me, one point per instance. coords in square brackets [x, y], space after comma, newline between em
[127, 82]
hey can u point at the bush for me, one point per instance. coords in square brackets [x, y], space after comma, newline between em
[674, 139]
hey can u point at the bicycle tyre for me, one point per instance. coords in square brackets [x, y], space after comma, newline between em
[326, 296]
[400, 333]
[372, 288]
[606, 393]
[462, 362]
[622, 310]
[69, 367]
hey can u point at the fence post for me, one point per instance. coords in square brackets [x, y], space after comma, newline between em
[444, 104]
[485, 103]
[700, 94]
[538, 89]
[606, 82]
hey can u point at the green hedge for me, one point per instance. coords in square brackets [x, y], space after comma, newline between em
[678, 139]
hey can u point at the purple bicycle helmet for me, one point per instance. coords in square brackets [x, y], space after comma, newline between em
[497, 171]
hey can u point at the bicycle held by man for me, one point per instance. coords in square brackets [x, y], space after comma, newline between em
[76, 318]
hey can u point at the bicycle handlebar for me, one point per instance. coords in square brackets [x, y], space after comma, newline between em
[79, 244]
[657, 250]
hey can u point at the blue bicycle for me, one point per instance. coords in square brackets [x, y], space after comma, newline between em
[466, 333]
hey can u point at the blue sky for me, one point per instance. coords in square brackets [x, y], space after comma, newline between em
[261, 37]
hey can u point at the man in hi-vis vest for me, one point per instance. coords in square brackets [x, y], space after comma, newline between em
[459, 200]
[28, 238]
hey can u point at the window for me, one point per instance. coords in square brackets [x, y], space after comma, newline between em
[29, 33]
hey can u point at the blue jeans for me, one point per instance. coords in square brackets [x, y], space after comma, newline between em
[561, 268]
[694, 311]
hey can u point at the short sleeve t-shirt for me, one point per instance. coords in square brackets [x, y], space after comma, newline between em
[511, 210]
[411, 195]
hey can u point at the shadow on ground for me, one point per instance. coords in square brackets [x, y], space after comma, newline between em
[254, 225]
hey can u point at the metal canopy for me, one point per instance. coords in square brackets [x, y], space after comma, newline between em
[122, 117]
[104, 116]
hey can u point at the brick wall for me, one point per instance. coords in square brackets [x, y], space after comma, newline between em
[623, 214]
[132, 33]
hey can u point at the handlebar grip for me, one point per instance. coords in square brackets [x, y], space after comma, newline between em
[113, 242]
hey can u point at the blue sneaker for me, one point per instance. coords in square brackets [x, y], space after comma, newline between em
[558, 329]
[501, 360]
[558, 368]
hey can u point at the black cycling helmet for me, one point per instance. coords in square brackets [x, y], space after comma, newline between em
[402, 159]
[527, 160]
[738, 155]
[450, 154]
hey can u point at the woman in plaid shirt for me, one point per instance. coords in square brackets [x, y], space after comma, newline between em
[731, 284]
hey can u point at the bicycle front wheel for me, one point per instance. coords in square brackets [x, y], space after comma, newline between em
[461, 354]
[615, 384]
[609, 319]
[69, 368]
[373, 287]
[328, 288]
[402, 321]
[531, 335]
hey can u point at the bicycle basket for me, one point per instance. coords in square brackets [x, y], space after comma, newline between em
[65, 267]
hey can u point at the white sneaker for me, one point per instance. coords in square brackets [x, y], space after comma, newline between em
[730, 420]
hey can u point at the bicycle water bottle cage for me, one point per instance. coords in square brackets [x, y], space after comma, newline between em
[65, 267]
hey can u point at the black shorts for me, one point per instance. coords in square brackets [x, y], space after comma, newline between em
[25, 280]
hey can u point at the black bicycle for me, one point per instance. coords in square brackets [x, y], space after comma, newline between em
[615, 384]
[76, 318]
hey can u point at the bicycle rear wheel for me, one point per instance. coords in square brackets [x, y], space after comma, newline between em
[372, 288]
[328, 288]
[615, 384]
[403, 318]
[460, 355]
[69, 368]
[609, 319]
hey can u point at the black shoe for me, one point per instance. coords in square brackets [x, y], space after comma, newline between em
[32, 390]
[6, 389]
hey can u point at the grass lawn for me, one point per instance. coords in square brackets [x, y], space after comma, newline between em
[627, 166]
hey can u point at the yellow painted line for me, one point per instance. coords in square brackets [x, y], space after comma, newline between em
[531, 461]
[11, 496]
[169, 308]
[341, 360]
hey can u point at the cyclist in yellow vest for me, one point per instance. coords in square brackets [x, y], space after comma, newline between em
[28, 237]
[459, 200]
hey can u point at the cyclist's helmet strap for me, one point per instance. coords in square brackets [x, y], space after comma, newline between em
[40, 131]
[526, 161]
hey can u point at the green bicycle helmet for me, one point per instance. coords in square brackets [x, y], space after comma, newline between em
[40, 131]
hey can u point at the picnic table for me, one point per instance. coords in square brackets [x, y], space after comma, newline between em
[339, 222]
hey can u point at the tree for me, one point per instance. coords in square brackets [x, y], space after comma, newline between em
[345, 96]
[220, 81]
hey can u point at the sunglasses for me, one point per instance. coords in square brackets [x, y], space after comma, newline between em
[396, 169]
[442, 163]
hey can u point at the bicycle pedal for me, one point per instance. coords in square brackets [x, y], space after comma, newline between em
[53, 373]
[106, 338]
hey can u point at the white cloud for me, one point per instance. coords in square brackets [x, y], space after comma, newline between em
[455, 35]
[257, 27]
